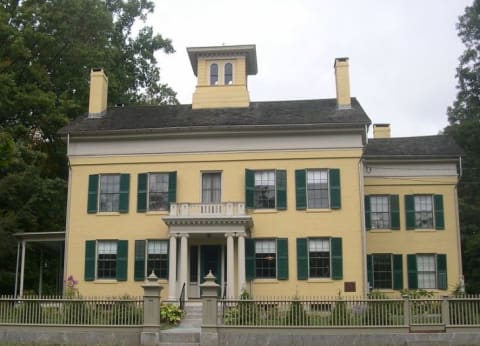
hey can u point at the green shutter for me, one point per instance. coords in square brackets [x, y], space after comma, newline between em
[337, 262]
[301, 189]
[394, 212]
[92, 201]
[124, 189]
[438, 206]
[412, 271]
[142, 192]
[410, 211]
[281, 177]
[249, 259]
[90, 249]
[370, 271]
[335, 196]
[122, 260]
[397, 272]
[302, 259]
[442, 282]
[368, 220]
[282, 259]
[139, 271]
[172, 188]
[249, 188]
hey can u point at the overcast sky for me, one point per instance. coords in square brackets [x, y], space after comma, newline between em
[403, 53]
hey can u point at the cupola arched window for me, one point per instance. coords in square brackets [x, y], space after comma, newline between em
[213, 74]
[228, 74]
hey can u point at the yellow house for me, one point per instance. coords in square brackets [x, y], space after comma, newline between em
[284, 198]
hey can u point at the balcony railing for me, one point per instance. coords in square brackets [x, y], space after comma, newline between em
[226, 209]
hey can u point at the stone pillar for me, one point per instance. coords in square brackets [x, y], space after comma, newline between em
[209, 293]
[241, 263]
[151, 311]
[230, 266]
[172, 268]
[183, 263]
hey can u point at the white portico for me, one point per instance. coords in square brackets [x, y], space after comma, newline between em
[208, 236]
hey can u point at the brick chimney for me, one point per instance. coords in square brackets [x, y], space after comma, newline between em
[381, 130]
[342, 81]
[97, 105]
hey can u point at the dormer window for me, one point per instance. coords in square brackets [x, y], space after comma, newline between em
[213, 74]
[228, 74]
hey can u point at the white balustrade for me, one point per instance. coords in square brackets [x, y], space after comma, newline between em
[207, 209]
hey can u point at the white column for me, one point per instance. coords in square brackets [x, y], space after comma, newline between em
[22, 268]
[241, 263]
[184, 262]
[172, 268]
[230, 266]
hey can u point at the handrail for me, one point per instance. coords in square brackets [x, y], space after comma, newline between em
[224, 295]
[181, 300]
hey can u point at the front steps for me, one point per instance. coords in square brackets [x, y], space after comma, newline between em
[193, 315]
[187, 333]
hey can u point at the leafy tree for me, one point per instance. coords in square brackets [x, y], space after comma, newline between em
[464, 126]
[47, 48]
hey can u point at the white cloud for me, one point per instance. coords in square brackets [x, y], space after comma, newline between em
[403, 53]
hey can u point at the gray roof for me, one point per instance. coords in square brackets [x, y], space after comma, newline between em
[323, 113]
[412, 147]
[248, 50]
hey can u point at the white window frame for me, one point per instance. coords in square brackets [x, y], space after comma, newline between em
[320, 170]
[98, 246]
[387, 212]
[431, 211]
[255, 172]
[421, 282]
[323, 240]
[149, 175]
[163, 247]
[100, 193]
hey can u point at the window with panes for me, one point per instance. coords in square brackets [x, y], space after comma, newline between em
[317, 188]
[380, 212]
[158, 191]
[109, 192]
[211, 187]
[213, 74]
[107, 259]
[265, 258]
[228, 74]
[423, 211]
[382, 271]
[426, 271]
[157, 258]
[264, 193]
[319, 258]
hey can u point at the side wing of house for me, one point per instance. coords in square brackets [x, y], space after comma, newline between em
[411, 214]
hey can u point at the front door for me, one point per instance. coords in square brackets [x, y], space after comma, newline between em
[211, 259]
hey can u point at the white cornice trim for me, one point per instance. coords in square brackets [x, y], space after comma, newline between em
[175, 220]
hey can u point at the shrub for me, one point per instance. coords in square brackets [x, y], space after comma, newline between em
[417, 293]
[171, 314]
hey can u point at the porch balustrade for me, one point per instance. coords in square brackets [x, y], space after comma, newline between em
[226, 209]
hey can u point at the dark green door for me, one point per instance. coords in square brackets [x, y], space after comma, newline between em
[211, 259]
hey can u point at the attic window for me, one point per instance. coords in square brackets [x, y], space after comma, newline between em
[213, 74]
[228, 74]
